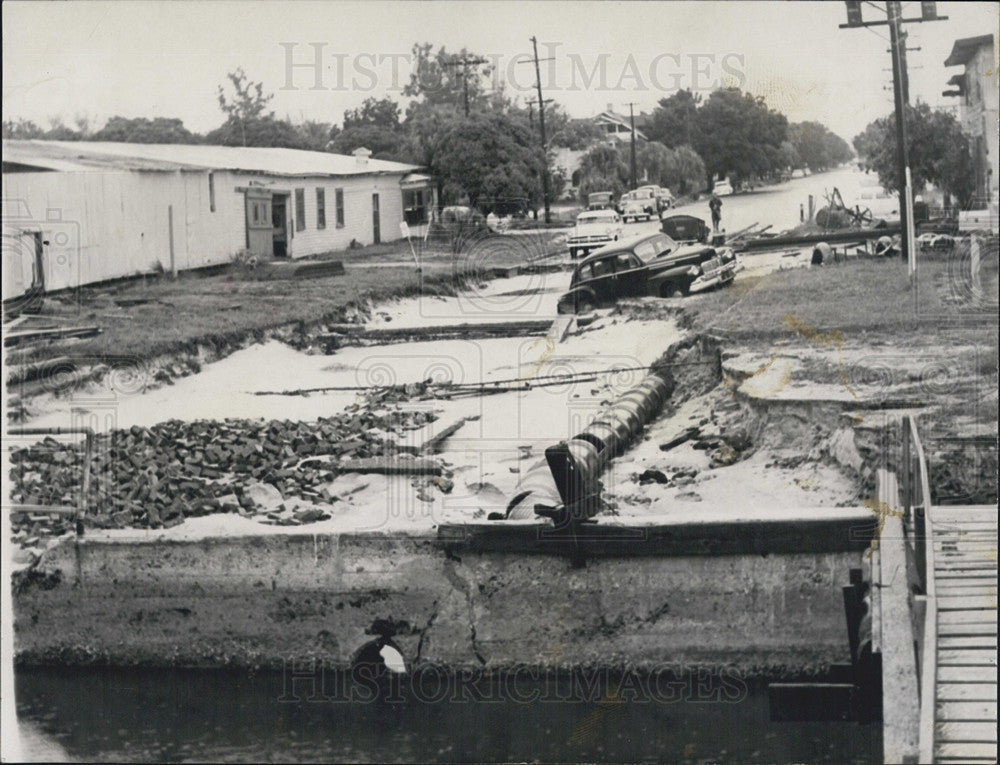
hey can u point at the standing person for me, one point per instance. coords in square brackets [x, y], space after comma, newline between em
[715, 205]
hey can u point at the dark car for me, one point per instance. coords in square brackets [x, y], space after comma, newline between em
[685, 229]
[654, 265]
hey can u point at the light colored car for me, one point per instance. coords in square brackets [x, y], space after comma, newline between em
[593, 229]
[635, 209]
[723, 188]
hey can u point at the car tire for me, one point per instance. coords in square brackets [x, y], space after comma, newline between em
[673, 290]
[584, 305]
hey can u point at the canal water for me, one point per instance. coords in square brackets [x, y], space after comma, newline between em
[304, 715]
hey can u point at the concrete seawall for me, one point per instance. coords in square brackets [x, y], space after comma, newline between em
[763, 595]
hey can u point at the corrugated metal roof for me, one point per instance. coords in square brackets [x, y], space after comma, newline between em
[99, 155]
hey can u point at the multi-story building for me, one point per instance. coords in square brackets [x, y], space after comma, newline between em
[977, 87]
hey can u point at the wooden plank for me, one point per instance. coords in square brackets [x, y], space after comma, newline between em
[981, 591]
[984, 602]
[942, 584]
[946, 515]
[960, 574]
[957, 630]
[967, 657]
[967, 674]
[966, 731]
[967, 641]
[973, 616]
[968, 711]
[967, 692]
[966, 760]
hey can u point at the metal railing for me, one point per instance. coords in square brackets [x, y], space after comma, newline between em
[918, 524]
[80, 511]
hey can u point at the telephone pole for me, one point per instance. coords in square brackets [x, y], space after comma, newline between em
[901, 96]
[631, 118]
[465, 62]
[541, 127]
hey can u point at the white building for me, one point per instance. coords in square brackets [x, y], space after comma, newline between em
[977, 87]
[77, 213]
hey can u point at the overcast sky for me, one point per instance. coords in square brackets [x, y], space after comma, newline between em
[147, 59]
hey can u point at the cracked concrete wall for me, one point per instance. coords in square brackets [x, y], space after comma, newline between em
[266, 601]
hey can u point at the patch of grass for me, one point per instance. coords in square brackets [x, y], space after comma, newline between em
[176, 314]
[861, 296]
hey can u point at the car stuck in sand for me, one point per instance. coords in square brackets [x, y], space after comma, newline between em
[653, 265]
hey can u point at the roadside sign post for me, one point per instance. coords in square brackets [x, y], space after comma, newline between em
[404, 230]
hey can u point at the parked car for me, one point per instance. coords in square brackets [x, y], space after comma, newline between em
[685, 229]
[664, 199]
[593, 229]
[600, 200]
[458, 216]
[722, 188]
[931, 240]
[653, 265]
[648, 203]
[635, 209]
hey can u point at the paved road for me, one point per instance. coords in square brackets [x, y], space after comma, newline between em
[779, 205]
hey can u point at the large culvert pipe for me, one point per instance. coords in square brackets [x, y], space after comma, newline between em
[569, 473]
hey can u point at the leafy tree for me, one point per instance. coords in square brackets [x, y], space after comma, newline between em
[439, 78]
[374, 125]
[247, 105]
[939, 151]
[818, 148]
[317, 136]
[142, 130]
[654, 160]
[686, 171]
[425, 131]
[60, 131]
[261, 131]
[21, 128]
[673, 121]
[737, 135]
[381, 112]
[603, 169]
[491, 157]
[577, 134]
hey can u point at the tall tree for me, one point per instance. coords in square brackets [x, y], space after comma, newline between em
[247, 103]
[939, 151]
[440, 78]
[491, 158]
[603, 169]
[673, 121]
[737, 135]
[375, 126]
[142, 130]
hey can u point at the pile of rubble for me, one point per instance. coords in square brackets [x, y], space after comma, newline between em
[155, 477]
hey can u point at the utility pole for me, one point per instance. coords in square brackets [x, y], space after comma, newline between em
[899, 99]
[901, 96]
[465, 62]
[541, 127]
[631, 117]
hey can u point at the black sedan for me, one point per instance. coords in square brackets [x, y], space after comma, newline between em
[653, 265]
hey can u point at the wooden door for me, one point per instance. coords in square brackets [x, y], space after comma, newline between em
[376, 223]
[260, 229]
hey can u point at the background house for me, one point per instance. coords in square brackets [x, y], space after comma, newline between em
[83, 212]
[978, 88]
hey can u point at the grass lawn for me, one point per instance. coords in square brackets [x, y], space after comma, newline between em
[870, 308]
[148, 317]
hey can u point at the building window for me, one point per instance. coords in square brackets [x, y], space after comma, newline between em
[415, 207]
[300, 209]
[340, 207]
[320, 207]
[211, 192]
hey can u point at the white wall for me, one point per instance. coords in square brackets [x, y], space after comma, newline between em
[107, 225]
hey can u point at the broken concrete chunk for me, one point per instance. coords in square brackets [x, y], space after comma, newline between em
[264, 496]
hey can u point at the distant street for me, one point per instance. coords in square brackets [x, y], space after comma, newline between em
[778, 205]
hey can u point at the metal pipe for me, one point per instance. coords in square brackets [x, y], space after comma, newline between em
[588, 452]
